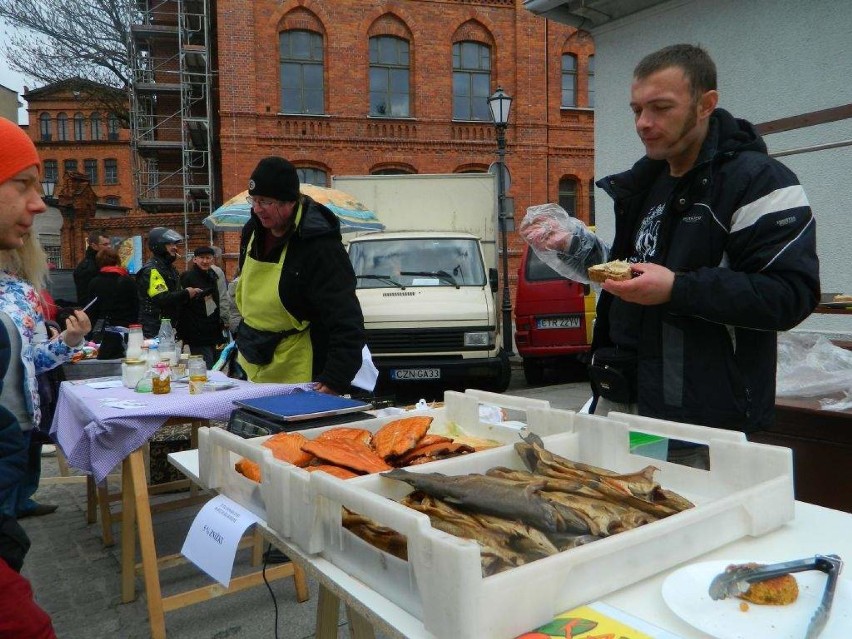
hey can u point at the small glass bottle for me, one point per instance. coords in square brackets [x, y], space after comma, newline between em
[166, 340]
[153, 355]
[197, 370]
[162, 380]
[134, 342]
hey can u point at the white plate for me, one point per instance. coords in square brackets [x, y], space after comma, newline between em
[685, 591]
[214, 386]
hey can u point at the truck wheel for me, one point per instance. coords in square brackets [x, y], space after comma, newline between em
[533, 372]
[504, 378]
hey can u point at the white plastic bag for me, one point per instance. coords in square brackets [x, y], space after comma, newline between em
[562, 242]
[810, 365]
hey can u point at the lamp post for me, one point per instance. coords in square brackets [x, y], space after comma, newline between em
[47, 189]
[499, 104]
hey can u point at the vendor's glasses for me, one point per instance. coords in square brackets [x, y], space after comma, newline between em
[262, 202]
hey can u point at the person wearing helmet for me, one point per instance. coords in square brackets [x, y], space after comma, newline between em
[158, 282]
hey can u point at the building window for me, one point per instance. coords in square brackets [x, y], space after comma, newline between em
[591, 76]
[52, 248]
[592, 202]
[44, 127]
[91, 169]
[569, 80]
[112, 199]
[391, 171]
[95, 120]
[62, 127]
[471, 81]
[309, 175]
[389, 77]
[79, 126]
[51, 171]
[301, 68]
[70, 166]
[110, 171]
[112, 127]
[568, 195]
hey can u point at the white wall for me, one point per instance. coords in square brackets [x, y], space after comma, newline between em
[775, 59]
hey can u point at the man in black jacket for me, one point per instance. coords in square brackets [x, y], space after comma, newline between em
[87, 268]
[722, 243]
[158, 283]
[201, 321]
[296, 292]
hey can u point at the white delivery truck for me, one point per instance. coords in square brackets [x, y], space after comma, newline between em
[428, 283]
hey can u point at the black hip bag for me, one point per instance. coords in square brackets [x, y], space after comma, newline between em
[258, 346]
[613, 374]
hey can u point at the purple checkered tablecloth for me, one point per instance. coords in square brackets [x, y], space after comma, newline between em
[95, 438]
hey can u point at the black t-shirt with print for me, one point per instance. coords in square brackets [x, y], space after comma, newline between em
[624, 317]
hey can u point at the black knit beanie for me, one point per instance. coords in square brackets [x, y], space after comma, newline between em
[275, 177]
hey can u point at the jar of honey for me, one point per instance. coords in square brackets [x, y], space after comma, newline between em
[197, 371]
[162, 381]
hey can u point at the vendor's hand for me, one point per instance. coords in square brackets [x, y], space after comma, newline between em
[322, 388]
[545, 233]
[652, 285]
[76, 326]
[194, 291]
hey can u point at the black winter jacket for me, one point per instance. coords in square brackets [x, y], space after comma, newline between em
[83, 274]
[197, 327]
[318, 284]
[117, 303]
[165, 304]
[739, 233]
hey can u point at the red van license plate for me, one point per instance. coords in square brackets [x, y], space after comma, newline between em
[571, 321]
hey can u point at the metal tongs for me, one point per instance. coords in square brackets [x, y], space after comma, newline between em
[735, 582]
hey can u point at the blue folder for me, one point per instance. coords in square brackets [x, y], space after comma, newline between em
[302, 405]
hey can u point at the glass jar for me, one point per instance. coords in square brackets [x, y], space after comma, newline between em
[197, 371]
[133, 370]
[162, 381]
[134, 342]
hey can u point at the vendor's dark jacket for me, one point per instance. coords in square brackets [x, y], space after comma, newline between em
[318, 284]
[83, 274]
[118, 302]
[168, 304]
[739, 233]
[197, 327]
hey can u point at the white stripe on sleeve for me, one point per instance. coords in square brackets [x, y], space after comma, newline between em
[789, 197]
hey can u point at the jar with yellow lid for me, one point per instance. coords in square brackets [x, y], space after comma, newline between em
[132, 371]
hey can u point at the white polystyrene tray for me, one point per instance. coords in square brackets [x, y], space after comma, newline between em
[748, 491]
[285, 499]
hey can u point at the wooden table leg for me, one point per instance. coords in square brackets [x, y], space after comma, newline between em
[106, 514]
[359, 627]
[328, 614]
[91, 500]
[128, 535]
[301, 583]
[150, 569]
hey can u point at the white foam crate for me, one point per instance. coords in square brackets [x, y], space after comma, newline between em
[285, 499]
[747, 492]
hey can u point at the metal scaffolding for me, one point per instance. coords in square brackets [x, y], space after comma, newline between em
[170, 107]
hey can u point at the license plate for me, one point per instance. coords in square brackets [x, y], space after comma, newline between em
[415, 373]
[571, 321]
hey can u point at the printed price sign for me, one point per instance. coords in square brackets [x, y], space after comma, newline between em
[212, 541]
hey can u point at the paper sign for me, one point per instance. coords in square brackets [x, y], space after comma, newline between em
[212, 541]
[113, 383]
[598, 621]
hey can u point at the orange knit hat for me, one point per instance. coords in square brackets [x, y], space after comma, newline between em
[17, 151]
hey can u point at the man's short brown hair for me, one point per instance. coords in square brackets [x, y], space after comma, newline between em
[697, 65]
[107, 257]
[96, 235]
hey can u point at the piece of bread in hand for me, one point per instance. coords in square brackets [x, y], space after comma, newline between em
[617, 270]
[840, 297]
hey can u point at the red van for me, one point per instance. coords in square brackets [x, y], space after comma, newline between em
[553, 317]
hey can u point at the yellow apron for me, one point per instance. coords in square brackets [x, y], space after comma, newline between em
[260, 305]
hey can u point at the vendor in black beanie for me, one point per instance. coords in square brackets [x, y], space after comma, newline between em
[301, 319]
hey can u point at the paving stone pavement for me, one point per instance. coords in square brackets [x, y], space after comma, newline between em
[77, 580]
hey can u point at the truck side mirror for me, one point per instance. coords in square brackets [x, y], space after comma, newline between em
[492, 279]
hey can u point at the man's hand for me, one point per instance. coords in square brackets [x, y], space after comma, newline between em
[194, 291]
[544, 233]
[652, 285]
[76, 326]
[322, 388]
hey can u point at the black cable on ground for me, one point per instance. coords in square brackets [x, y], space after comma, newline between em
[269, 587]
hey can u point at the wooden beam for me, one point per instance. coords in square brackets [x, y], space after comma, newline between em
[813, 118]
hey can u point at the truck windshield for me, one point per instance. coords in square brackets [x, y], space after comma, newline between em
[417, 262]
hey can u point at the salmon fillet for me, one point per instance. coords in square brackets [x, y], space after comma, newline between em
[347, 452]
[248, 468]
[399, 436]
[288, 447]
[433, 451]
[344, 432]
[337, 471]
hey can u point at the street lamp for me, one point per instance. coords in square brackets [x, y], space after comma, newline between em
[499, 104]
[47, 188]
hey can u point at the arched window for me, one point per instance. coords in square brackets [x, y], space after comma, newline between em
[79, 127]
[112, 127]
[62, 127]
[591, 77]
[301, 69]
[310, 175]
[568, 195]
[69, 166]
[112, 199]
[569, 80]
[44, 127]
[390, 171]
[51, 171]
[389, 77]
[95, 120]
[471, 81]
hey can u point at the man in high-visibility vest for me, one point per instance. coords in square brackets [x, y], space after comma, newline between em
[158, 283]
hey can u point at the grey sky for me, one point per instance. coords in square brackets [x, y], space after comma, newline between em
[11, 79]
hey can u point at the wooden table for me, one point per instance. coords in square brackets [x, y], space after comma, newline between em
[94, 437]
